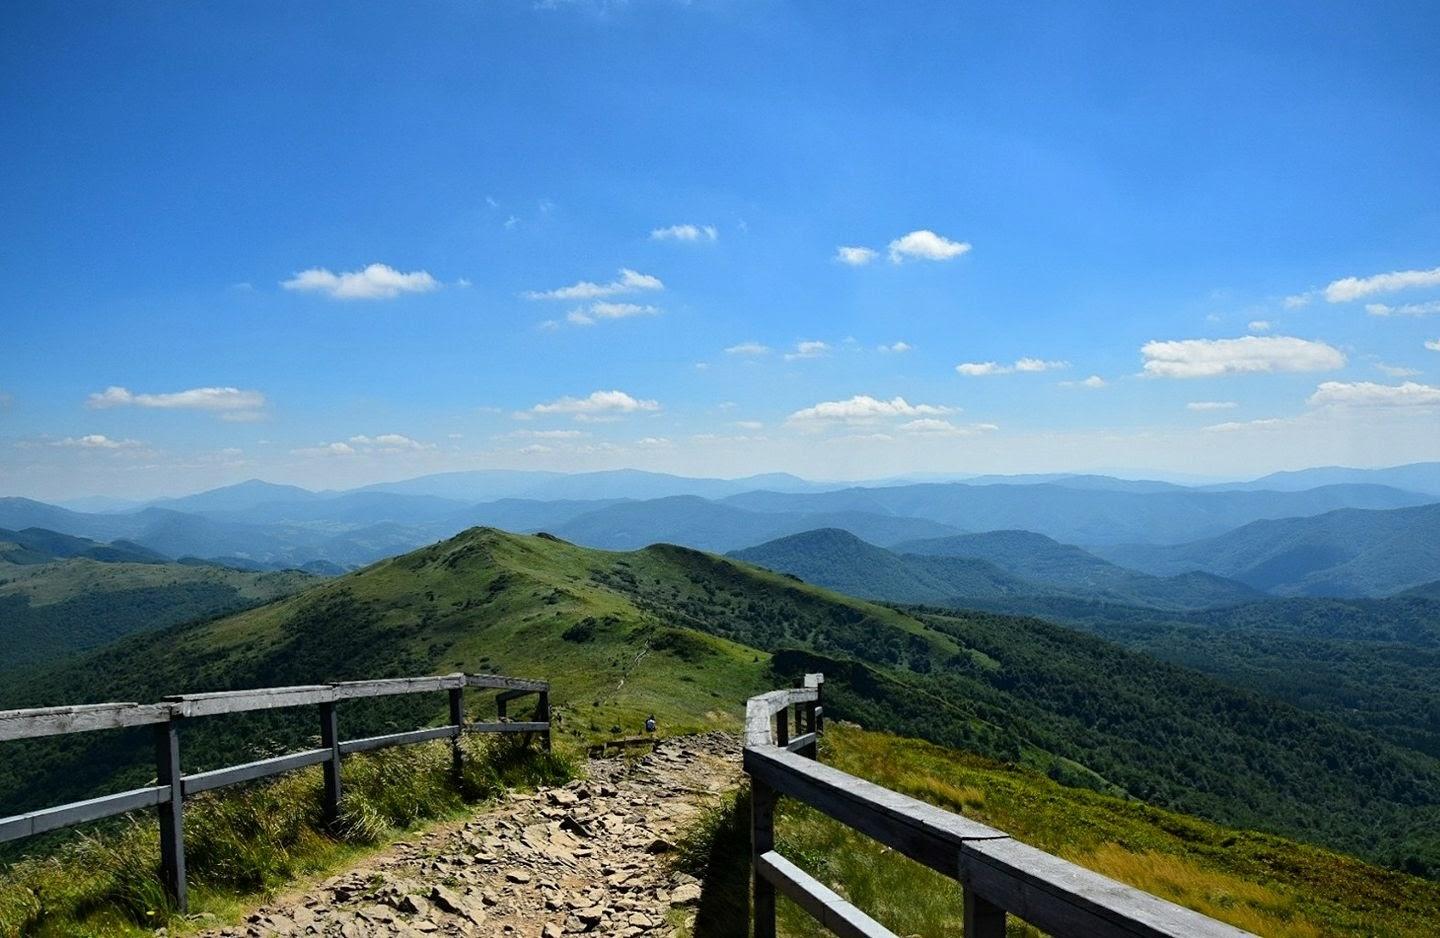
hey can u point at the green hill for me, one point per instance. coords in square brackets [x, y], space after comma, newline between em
[38, 545]
[685, 635]
[57, 608]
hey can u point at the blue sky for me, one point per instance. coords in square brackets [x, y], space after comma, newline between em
[332, 244]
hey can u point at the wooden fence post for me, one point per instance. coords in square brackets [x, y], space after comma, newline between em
[542, 713]
[762, 840]
[782, 727]
[172, 811]
[983, 919]
[457, 718]
[330, 739]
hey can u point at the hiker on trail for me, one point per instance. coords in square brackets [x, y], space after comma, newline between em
[650, 724]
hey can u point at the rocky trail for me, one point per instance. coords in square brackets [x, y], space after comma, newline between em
[586, 858]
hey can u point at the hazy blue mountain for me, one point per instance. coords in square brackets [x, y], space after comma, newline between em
[1077, 481]
[1340, 553]
[1415, 477]
[1043, 560]
[495, 484]
[707, 525]
[17, 514]
[350, 508]
[527, 514]
[37, 545]
[1014, 571]
[839, 560]
[1084, 516]
[1423, 591]
[238, 497]
[101, 503]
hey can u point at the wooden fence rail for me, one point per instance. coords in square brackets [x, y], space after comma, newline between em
[173, 786]
[999, 876]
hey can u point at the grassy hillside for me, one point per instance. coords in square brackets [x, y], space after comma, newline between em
[684, 635]
[1340, 553]
[50, 610]
[37, 545]
[1262, 883]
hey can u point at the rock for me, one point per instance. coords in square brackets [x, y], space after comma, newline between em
[685, 894]
[551, 930]
[517, 876]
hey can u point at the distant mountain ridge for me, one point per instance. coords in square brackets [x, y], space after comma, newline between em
[1348, 552]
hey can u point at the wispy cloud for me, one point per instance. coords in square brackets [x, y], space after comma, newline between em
[1433, 344]
[228, 403]
[1395, 371]
[862, 408]
[1408, 309]
[895, 347]
[1354, 288]
[595, 312]
[1251, 354]
[980, 369]
[685, 233]
[629, 281]
[934, 426]
[383, 444]
[1211, 405]
[1093, 383]
[808, 349]
[1297, 300]
[855, 256]
[1234, 426]
[748, 349]
[925, 245]
[1259, 325]
[1370, 394]
[97, 441]
[599, 405]
[375, 282]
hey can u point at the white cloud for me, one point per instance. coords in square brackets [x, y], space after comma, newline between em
[925, 245]
[1369, 394]
[599, 405]
[390, 442]
[1433, 344]
[1354, 288]
[1235, 425]
[862, 408]
[1211, 405]
[606, 310]
[933, 426]
[1408, 309]
[1259, 325]
[654, 442]
[629, 281]
[375, 282]
[550, 434]
[685, 233]
[749, 424]
[1396, 371]
[895, 347]
[1094, 382]
[1251, 354]
[1037, 364]
[534, 449]
[750, 349]
[228, 403]
[325, 449]
[977, 369]
[97, 441]
[855, 256]
[808, 349]
[1297, 300]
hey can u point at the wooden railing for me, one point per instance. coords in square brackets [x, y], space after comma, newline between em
[999, 876]
[173, 786]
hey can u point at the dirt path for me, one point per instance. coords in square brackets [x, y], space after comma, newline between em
[585, 858]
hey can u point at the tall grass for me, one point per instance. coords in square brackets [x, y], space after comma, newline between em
[252, 840]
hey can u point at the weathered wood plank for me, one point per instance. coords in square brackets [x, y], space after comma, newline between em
[233, 775]
[505, 683]
[518, 727]
[385, 687]
[1061, 898]
[824, 905]
[238, 701]
[78, 812]
[55, 721]
[801, 742]
[921, 831]
[397, 739]
[508, 695]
